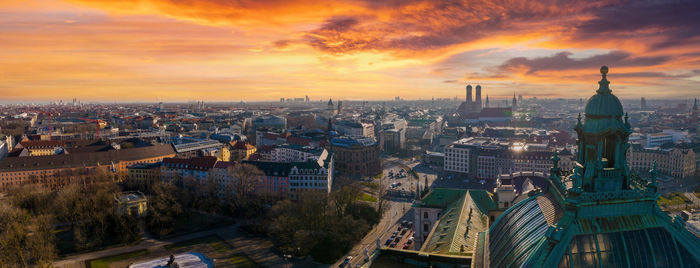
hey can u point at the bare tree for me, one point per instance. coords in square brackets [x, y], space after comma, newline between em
[246, 178]
[25, 241]
[343, 197]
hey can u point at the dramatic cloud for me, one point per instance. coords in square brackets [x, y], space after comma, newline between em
[249, 49]
[563, 61]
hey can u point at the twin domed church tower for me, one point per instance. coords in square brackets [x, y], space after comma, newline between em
[600, 216]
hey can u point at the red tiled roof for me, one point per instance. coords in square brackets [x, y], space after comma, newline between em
[241, 145]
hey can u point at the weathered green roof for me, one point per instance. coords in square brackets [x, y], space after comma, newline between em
[457, 230]
[483, 200]
[604, 103]
[440, 198]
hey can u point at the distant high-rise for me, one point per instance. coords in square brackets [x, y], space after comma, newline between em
[282, 100]
[520, 98]
[515, 102]
[643, 104]
[487, 100]
[307, 98]
[695, 114]
[340, 106]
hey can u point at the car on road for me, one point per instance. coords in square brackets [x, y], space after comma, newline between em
[346, 262]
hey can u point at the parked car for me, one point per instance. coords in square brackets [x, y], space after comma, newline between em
[409, 224]
[388, 241]
[404, 231]
[393, 245]
[397, 239]
[410, 241]
[394, 234]
[405, 246]
[404, 223]
[346, 262]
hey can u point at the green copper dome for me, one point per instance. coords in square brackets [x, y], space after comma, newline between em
[604, 103]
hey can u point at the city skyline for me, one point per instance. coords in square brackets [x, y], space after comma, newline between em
[211, 50]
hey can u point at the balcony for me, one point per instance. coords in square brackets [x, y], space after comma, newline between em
[610, 173]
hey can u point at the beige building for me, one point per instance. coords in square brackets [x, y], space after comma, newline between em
[675, 162]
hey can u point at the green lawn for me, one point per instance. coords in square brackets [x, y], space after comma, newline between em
[242, 261]
[104, 262]
[221, 250]
[367, 197]
[672, 199]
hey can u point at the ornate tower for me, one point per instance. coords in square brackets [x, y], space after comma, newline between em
[514, 102]
[487, 101]
[477, 106]
[600, 216]
[602, 143]
[330, 109]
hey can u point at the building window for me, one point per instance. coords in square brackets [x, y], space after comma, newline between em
[425, 215]
[426, 227]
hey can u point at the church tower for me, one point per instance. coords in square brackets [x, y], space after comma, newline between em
[469, 95]
[330, 109]
[602, 143]
[514, 102]
[477, 105]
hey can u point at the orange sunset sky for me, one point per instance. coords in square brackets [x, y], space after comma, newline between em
[216, 50]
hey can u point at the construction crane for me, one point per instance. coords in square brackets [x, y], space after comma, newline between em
[97, 123]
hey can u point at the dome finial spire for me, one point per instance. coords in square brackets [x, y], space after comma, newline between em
[604, 83]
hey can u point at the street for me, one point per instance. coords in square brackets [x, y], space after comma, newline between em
[398, 209]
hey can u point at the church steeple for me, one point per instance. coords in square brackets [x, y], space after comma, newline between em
[602, 142]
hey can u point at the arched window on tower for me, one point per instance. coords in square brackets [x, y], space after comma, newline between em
[609, 145]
